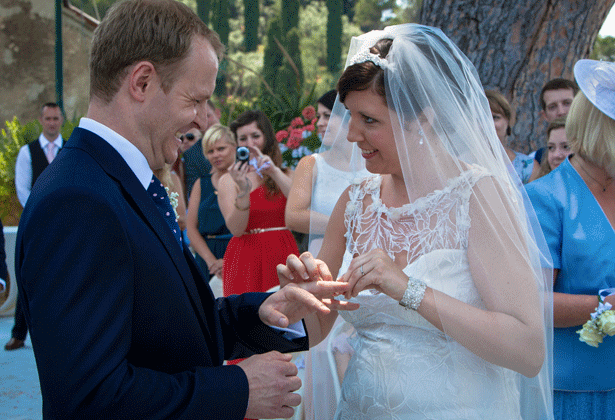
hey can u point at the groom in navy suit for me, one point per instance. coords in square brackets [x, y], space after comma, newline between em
[122, 324]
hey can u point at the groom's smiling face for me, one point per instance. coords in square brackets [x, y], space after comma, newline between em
[184, 106]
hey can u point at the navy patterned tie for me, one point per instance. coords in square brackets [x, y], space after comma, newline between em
[161, 199]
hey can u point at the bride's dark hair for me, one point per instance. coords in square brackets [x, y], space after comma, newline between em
[366, 75]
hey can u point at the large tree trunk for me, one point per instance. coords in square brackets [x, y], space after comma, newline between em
[519, 45]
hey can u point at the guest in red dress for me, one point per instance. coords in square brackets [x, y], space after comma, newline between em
[252, 198]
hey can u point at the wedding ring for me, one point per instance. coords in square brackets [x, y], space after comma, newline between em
[362, 273]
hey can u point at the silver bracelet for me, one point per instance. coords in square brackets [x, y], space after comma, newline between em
[413, 296]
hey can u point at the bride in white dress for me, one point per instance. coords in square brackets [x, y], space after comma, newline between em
[438, 246]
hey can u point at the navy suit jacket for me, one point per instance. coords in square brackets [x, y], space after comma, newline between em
[122, 324]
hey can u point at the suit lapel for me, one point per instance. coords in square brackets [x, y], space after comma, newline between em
[113, 164]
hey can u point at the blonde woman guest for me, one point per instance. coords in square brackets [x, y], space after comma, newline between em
[525, 166]
[575, 205]
[207, 230]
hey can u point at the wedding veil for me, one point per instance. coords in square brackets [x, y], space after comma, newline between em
[444, 130]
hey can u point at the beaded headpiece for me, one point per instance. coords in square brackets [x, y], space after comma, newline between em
[364, 53]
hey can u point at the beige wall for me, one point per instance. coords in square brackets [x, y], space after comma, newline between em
[27, 59]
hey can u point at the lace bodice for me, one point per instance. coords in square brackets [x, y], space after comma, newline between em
[403, 367]
[439, 220]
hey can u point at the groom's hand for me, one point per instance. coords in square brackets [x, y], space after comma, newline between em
[295, 301]
[272, 380]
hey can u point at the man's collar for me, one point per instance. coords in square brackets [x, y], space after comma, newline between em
[43, 140]
[133, 157]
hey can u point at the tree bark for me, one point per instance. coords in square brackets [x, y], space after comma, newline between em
[518, 46]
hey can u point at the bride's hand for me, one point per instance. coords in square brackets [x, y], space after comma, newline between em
[375, 270]
[303, 268]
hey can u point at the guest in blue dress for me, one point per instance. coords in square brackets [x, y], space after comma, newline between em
[575, 205]
[207, 231]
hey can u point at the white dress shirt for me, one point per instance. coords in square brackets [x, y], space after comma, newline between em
[23, 168]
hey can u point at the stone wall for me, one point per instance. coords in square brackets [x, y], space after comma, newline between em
[27, 58]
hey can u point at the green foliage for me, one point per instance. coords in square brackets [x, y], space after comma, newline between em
[12, 138]
[251, 20]
[368, 13]
[406, 12]
[604, 48]
[334, 32]
[203, 9]
[273, 56]
[220, 16]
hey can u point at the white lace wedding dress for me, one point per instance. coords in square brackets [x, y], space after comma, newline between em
[403, 367]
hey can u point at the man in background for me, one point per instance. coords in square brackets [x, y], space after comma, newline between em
[34, 157]
[32, 160]
[555, 99]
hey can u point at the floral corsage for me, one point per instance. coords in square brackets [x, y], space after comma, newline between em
[173, 199]
[602, 322]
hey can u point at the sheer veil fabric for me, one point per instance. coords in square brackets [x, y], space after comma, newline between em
[467, 230]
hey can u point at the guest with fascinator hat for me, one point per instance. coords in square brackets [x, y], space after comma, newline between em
[575, 204]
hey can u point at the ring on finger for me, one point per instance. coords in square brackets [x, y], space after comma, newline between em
[362, 273]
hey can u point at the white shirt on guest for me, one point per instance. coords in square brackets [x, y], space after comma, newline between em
[23, 168]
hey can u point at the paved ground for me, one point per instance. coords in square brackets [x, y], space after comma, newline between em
[20, 395]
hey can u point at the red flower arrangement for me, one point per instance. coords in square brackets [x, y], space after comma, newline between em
[300, 132]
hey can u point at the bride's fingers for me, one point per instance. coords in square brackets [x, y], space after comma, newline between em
[356, 276]
[316, 269]
[298, 269]
[284, 274]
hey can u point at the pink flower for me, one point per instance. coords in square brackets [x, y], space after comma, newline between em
[296, 122]
[293, 142]
[296, 133]
[314, 121]
[310, 127]
[308, 112]
[281, 135]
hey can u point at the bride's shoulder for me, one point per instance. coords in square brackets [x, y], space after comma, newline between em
[368, 184]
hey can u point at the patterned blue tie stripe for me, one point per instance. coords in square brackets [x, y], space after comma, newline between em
[161, 199]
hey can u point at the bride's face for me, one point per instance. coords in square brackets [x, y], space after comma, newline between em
[370, 127]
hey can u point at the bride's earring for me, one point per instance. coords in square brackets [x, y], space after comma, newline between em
[422, 134]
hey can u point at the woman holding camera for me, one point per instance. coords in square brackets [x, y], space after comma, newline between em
[252, 198]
